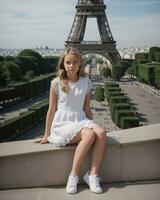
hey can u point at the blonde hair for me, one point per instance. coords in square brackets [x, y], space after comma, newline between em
[62, 74]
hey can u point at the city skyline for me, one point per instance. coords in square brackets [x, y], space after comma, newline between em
[36, 23]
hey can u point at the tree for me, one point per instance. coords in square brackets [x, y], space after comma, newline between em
[3, 80]
[154, 50]
[152, 53]
[12, 71]
[105, 71]
[38, 60]
[27, 63]
[29, 75]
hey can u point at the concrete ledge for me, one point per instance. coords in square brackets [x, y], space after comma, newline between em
[131, 155]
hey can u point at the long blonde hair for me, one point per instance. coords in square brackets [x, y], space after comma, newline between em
[62, 74]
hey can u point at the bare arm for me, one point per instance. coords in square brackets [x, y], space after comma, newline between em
[50, 115]
[86, 106]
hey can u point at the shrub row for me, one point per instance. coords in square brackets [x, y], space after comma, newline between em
[24, 90]
[99, 94]
[157, 77]
[23, 122]
[121, 112]
[146, 72]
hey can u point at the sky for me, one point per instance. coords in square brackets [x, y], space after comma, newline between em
[36, 23]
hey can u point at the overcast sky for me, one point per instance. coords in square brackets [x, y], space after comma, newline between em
[35, 23]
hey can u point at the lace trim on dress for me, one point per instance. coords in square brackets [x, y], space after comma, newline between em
[65, 141]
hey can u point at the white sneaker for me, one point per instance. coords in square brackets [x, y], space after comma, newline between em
[72, 184]
[93, 182]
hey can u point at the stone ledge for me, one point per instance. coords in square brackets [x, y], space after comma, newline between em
[141, 134]
[131, 155]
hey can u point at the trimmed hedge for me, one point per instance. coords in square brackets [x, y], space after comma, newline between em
[122, 113]
[99, 94]
[110, 84]
[118, 99]
[147, 73]
[118, 106]
[129, 122]
[113, 94]
[111, 89]
[24, 90]
[157, 77]
[16, 125]
[24, 121]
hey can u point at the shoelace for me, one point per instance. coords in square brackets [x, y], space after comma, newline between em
[73, 181]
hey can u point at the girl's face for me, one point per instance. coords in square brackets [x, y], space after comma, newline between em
[71, 64]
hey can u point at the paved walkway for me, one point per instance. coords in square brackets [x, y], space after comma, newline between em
[121, 191]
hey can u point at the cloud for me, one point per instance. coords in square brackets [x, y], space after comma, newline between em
[133, 3]
[138, 31]
[31, 23]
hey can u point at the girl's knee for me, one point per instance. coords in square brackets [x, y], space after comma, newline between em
[100, 133]
[88, 134]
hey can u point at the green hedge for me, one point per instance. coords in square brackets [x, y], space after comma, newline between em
[129, 122]
[157, 77]
[118, 70]
[16, 125]
[24, 90]
[118, 99]
[111, 89]
[147, 73]
[122, 113]
[118, 106]
[24, 121]
[110, 85]
[113, 94]
[99, 94]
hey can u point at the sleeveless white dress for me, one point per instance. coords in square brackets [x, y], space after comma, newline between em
[69, 117]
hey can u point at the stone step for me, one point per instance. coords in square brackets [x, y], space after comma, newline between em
[131, 155]
[120, 191]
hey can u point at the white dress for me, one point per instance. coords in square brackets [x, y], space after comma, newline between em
[69, 117]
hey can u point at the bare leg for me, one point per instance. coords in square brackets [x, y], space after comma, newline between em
[86, 138]
[98, 150]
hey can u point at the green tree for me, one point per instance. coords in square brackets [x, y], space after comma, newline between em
[12, 71]
[1, 58]
[29, 75]
[3, 77]
[27, 63]
[152, 53]
[38, 60]
[105, 71]
[154, 50]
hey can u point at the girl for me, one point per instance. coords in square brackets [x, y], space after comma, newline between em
[69, 119]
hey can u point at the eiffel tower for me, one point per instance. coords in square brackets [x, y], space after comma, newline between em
[106, 46]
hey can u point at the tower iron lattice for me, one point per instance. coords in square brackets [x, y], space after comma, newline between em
[107, 45]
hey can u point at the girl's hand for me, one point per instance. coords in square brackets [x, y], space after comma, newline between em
[41, 140]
